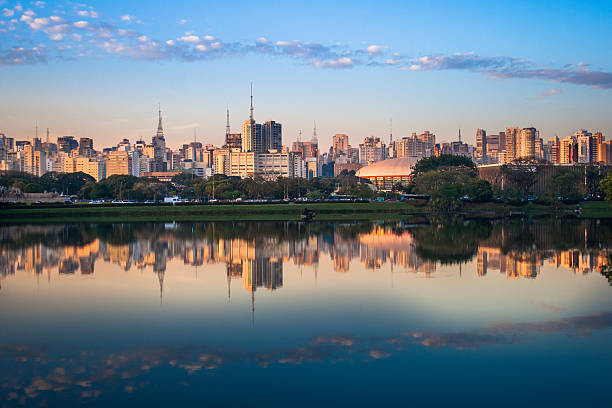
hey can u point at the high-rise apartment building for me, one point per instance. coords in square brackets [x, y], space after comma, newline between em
[371, 150]
[481, 144]
[86, 147]
[272, 136]
[118, 163]
[66, 144]
[527, 143]
[340, 144]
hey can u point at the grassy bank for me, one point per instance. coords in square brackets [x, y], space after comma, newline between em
[281, 212]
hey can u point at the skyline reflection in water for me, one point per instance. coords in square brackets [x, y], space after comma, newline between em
[100, 313]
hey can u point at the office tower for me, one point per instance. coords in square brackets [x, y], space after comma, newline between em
[340, 144]
[512, 141]
[481, 144]
[371, 150]
[527, 143]
[428, 139]
[596, 142]
[252, 137]
[86, 147]
[66, 144]
[553, 147]
[119, 162]
[158, 141]
[272, 136]
[232, 140]
[568, 150]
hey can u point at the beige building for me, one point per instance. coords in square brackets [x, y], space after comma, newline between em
[92, 167]
[118, 163]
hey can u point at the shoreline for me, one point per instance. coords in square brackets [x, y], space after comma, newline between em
[286, 212]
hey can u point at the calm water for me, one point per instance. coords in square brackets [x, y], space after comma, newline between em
[289, 314]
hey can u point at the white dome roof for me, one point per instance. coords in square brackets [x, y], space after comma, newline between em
[389, 167]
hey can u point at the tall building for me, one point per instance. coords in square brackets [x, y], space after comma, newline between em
[86, 147]
[527, 143]
[66, 144]
[272, 136]
[340, 144]
[159, 141]
[252, 133]
[481, 144]
[512, 138]
[371, 150]
[118, 163]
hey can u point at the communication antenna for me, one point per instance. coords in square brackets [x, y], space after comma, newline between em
[251, 110]
[390, 131]
[47, 135]
[227, 126]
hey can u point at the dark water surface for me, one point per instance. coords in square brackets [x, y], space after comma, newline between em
[289, 314]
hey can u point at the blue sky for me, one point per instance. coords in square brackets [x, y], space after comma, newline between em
[99, 69]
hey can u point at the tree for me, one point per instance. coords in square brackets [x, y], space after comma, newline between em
[592, 178]
[442, 162]
[522, 174]
[445, 187]
[565, 185]
[606, 186]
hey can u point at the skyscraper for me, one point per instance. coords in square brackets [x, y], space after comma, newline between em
[252, 137]
[481, 144]
[340, 144]
[158, 141]
[272, 136]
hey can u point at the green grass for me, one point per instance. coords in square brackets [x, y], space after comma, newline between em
[279, 212]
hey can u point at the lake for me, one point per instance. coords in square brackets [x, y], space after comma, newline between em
[432, 312]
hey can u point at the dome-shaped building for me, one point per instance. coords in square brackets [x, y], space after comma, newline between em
[385, 174]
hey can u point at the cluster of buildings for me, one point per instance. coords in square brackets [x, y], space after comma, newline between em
[515, 143]
[257, 151]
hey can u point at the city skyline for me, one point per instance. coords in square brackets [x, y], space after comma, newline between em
[86, 70]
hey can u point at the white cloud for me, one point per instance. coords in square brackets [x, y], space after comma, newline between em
[392, 61]
[85, 13]
[182, 21]
[77, 37]
[170, 42]
[143, 38]
[209, 38]
[374, 50]
[39, 4]
[80, 24]
[201, 48]
[8, 12]
[37, 23]
[56, 37]
[343, 62]
[189, 38]
[56, 19]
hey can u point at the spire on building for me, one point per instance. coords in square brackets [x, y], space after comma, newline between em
[160, 129]
[390, 131]
[227, 125]
[314, 134]
[251, 110]
[48, 135]
[459, 135]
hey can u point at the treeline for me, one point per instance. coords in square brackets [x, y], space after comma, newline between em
[185, 185]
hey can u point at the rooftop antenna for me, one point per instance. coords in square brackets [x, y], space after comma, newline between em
[227, 126]
[251, 110]
[314, 133]
[459, 135]
[390, 131]
[47, 135]
[37, 129]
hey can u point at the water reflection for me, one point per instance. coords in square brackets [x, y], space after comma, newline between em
[90, 336]
[255, 253]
